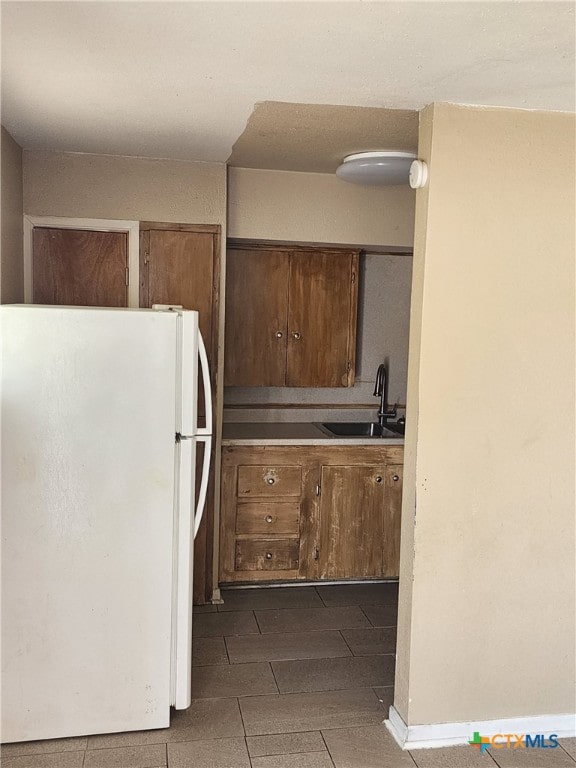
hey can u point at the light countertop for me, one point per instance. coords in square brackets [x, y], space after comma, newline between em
[302, 433]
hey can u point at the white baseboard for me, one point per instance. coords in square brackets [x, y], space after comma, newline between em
[452, 734]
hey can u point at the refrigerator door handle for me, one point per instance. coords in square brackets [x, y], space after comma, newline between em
[183, 565]
[207, 440]
[207, 430]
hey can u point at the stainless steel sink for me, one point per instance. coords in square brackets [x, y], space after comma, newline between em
[362, 429]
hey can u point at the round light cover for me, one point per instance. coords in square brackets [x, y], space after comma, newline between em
[376, 168]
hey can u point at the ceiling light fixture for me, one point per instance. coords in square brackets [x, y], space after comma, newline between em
[376, 169]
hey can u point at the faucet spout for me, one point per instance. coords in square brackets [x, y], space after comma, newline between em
[380, 379]
[381, 391]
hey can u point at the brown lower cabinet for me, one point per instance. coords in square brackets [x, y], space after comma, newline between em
[310, 512]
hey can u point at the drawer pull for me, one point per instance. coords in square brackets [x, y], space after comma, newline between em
[269, 518]
[378, 478]
[268, 555]
[395, 478]
[270, 481]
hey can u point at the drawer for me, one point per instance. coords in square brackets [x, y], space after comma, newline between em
[269, 481]
[266, 554]
[268, 518]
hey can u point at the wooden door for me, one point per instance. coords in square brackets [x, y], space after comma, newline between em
[79, 267]
[256, 318]
[392, 515]
[180, 271]
[180, 264]
[322, 319]
[351, 521]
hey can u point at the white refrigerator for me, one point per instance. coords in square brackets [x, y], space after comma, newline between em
[99, 435]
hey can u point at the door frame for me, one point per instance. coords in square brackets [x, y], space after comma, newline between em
[131, 228]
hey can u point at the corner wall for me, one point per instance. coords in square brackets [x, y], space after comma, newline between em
[487, 604]
[11, 222]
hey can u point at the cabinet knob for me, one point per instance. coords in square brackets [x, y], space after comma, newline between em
[270, 481]
[296, 335]
[395, 478]
[268, 518]
[268, 555]
[378, 478]
[279, 334]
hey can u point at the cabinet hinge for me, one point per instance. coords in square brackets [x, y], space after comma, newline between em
[146, 257]
[353, 277]
[349, 366]
[126, 278]
[316, 553]
[318, 490]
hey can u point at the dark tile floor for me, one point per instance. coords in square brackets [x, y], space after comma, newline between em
[293, 677]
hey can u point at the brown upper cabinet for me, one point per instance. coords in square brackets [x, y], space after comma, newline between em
[79, 267]
[290, 317]
[179, 264]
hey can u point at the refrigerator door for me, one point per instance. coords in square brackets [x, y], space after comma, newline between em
[89, 397]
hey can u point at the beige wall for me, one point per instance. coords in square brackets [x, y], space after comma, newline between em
[487, 627]
[11, 262]
[409, 477]
[111, 187]
[317, 207]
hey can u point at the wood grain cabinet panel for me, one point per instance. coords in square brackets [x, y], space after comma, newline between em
[267, 554]
[180, 270]
[392, 515]
[256, 318]
[333, 512]
[291, 317]
[320, 344]
[78, 267]
[269, 481]
[268, 518]
[352, 509]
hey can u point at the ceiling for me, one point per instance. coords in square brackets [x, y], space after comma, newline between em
[272, 84]
[315, 137]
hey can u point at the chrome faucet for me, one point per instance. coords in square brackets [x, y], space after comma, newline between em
[381, 391]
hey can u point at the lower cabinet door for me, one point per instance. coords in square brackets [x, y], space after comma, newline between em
[351, 521]
[392, 515]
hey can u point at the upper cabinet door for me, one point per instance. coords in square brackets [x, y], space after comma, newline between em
[256, 318]
[79, 267]
[180, 271]
[322, 319]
